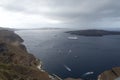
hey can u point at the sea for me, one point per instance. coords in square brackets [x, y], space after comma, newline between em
[75, 56]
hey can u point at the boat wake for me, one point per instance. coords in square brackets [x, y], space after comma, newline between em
[73, 38]
[67, 68]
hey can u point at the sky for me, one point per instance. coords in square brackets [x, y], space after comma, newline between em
[82, 14]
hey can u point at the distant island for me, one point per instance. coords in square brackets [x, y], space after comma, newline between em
[94, 32]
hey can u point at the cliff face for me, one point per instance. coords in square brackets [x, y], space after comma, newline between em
[15, 62]
[14, 54]
[9, 36]
[112, 74]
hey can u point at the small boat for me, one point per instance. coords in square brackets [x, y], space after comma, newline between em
[67, 68]
[74, 37]
[88, 73]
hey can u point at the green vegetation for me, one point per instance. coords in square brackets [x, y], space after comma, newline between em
[20, 72]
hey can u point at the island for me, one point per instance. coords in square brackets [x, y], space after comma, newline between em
[93, 32]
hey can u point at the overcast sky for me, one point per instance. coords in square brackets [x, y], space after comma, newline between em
[60, 13]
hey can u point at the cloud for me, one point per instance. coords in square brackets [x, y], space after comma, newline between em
[79, 13]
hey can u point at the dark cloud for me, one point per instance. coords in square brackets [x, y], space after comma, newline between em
[72, 12]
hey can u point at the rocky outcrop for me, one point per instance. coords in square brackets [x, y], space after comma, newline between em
[112, 74]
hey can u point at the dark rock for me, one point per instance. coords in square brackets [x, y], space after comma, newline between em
[3, 48]
[23, 47]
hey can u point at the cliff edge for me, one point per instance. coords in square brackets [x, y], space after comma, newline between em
[15, 62]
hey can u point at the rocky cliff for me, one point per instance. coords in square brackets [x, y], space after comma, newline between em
[113, 74]
[15, 62]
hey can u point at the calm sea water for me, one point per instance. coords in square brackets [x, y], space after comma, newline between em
[72, 58]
